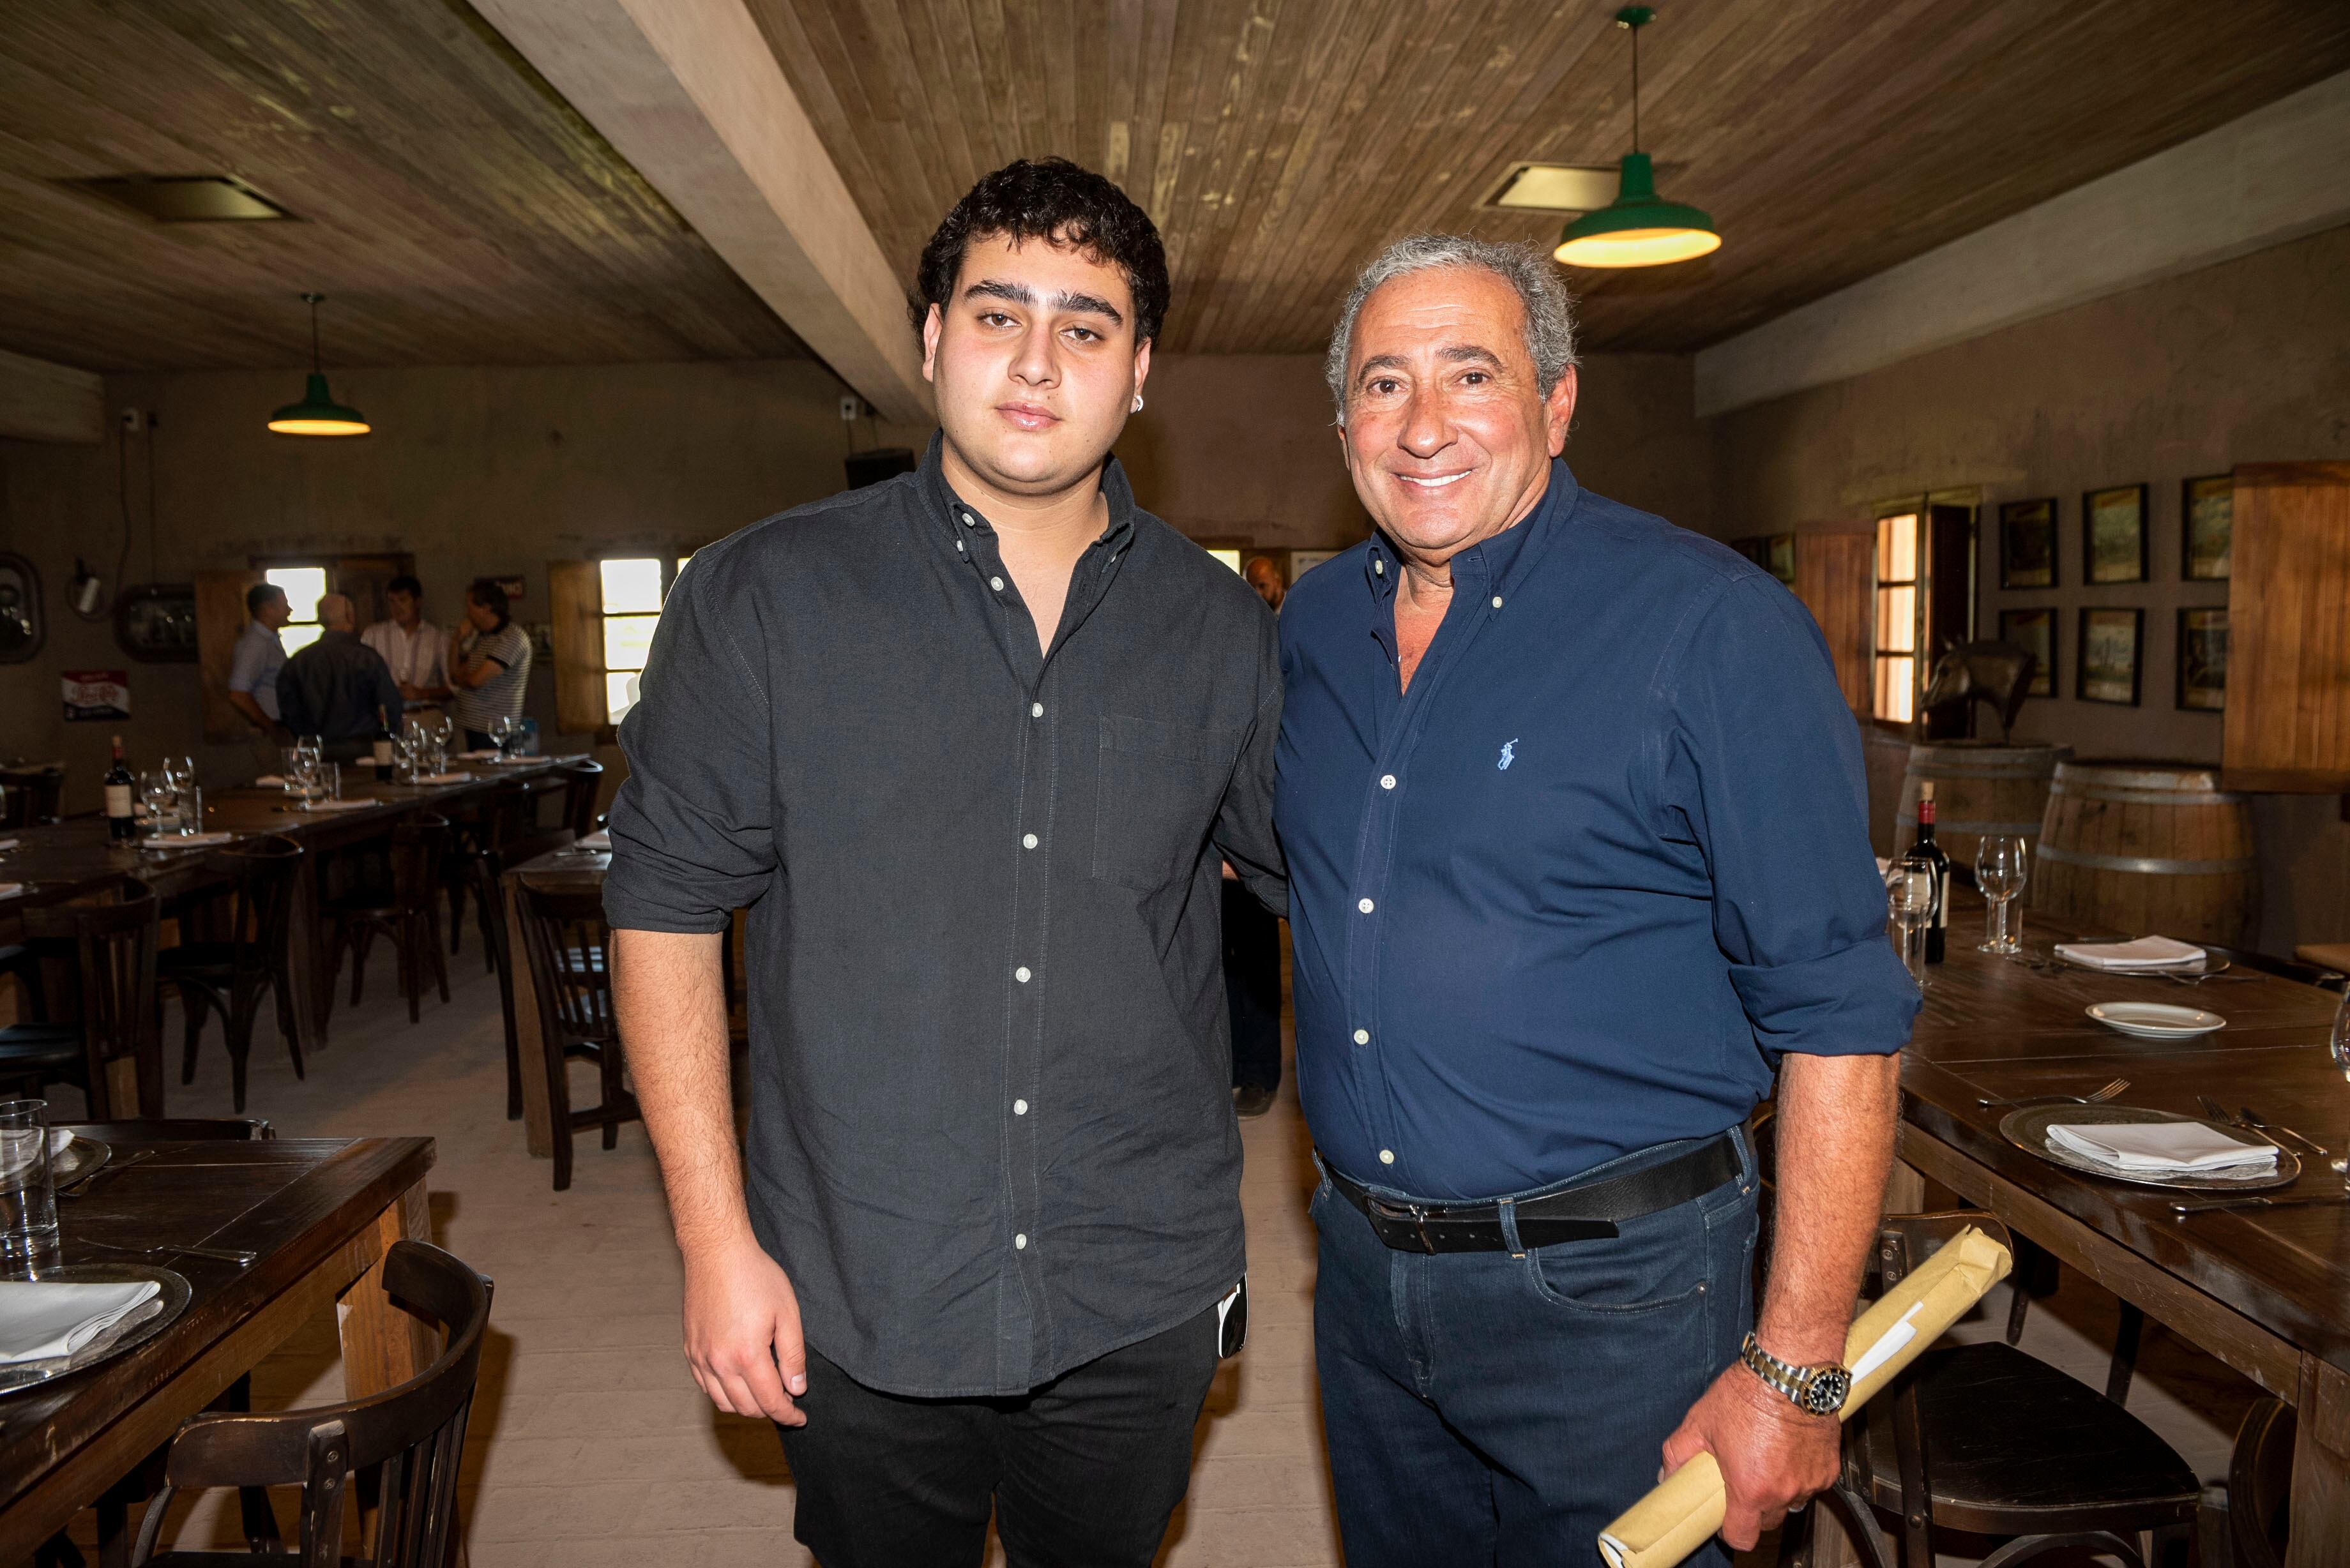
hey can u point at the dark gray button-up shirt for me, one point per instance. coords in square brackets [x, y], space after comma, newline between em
[992, 1133]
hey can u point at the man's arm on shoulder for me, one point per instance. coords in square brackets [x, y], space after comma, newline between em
[1243, 827]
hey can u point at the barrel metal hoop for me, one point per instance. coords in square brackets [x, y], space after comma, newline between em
[2145, 796]
[1938, 770]
[2098, 775]
[2148, 868]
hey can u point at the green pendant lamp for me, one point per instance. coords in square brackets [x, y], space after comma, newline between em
[318, 414]
[1638, 228]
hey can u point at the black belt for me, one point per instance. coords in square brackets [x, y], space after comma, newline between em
[1576, 1214]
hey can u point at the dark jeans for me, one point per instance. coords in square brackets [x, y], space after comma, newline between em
[1491, 1409]
[1081, 1473]
[1252, 987]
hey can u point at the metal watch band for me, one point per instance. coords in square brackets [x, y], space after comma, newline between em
[1816, 1390]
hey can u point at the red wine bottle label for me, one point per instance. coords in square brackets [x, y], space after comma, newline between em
[118, 800]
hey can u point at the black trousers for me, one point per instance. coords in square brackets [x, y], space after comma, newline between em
[1080, 1473]
[1252, 987]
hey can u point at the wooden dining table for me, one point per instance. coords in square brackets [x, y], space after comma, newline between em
[321, 1213]
[2265, 1291]
[59, 861]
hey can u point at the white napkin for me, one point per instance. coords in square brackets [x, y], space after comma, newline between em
[445, 778]
[2146, 953]
[10, 889]
[8, 843]
[2185, 1149]
[42, 1320]
[340, 805]
[479, 756]
[270, 781]
[599, 840]
[169, 842]
[58, 1138]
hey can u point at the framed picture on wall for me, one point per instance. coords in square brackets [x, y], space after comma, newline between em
[1303, 561]
[2113, 535]
[2027, 544]
[2111, 641]
[2203, 659]
[2034, 629]
[2206, 514]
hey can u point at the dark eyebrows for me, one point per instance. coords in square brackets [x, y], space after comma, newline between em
[1452, 354]
[1021, 294]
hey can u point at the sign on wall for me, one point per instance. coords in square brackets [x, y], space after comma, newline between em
[92, 696]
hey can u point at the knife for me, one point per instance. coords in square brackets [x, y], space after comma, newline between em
[2213, 1206]
[2252, 1119]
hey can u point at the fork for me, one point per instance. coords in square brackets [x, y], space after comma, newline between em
[2098, 1098]
[222, 1254]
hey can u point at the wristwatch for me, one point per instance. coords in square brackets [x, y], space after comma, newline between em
[1815, 1390]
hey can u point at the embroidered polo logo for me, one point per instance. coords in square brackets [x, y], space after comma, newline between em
[1509, 755]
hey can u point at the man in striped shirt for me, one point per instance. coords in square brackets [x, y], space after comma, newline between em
[488, 664]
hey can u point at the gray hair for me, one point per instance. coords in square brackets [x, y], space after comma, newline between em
[1550, 309]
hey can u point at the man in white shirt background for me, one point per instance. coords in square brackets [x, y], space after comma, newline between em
[413, 646]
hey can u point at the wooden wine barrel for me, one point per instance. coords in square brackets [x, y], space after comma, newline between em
[1979, 787]
[2148, 849]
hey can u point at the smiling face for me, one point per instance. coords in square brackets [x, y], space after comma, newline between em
[1447, 435]
[1035, 364]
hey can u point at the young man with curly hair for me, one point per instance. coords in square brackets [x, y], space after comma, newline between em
[970, 744]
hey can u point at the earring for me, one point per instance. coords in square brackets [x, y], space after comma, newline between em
[1138, 402]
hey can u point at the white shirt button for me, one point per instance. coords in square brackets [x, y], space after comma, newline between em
[1020, 974]
[1387, 1156]
[1035, 709]
[1380, 568]
[1019, 1107]
[1362, 1037]
[969, 521]
[1365, 906]
[1497, 601]
[1387, 780]
[1021, 1241]
[995, 583]
[1027, 841]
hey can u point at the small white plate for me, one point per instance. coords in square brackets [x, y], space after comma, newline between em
[2156, 1021]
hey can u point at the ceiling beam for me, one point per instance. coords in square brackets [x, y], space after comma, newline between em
[688, 92]
[2274, 175]
[41, 401]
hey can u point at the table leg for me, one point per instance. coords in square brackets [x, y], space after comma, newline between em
[383, 1346]
[529, 1044]
[313, 986]
[2321, 1468]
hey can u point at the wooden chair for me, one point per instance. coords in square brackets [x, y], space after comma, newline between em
[110, 937]
[478, 852]
[1983, 1438]
[409, 1440]
[34, 795]
[407, 913]
[570, 953]
[2260, 1485]
[582, 781]
[231, 975]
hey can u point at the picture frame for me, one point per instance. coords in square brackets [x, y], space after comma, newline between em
[2034, 629]
[2113, 535]
[2027, 544]
[2108, 665]
[2203, 659]
[2206, 514]
[1774, 553]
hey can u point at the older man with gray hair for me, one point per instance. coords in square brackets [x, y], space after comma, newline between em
[1579, 865]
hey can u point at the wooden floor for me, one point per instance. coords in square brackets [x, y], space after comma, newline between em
[591, 1446]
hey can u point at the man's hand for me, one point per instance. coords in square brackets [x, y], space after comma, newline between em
[1773, 1456]
[743, 1334]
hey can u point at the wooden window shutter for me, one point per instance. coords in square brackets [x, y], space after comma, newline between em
[576, 594]
[1833, 578]
[2288, 714]
[219, 621]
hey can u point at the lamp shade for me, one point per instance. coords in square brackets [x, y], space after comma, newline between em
[318, 414]
[1638, 228]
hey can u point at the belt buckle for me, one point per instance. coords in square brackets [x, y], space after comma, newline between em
[1411, 1211]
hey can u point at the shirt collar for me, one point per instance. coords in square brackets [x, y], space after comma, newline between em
[961, 513]
[1490, 564]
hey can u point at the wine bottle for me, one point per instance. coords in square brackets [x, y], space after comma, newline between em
[1938, 921]
[122, 826]
[383, 756]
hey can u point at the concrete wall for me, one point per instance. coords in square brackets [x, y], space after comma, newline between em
[2241, 362]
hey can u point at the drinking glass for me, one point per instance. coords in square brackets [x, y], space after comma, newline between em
[2340, 1046]
[443, 731]
[505, 732]
[403, 758]
[1910, 891]
[330, 781]
[28, 1188]
[162, 797]
[181, 772]
[2002, 863]
[301, 777]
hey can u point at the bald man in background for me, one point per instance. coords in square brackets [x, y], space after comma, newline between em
[339, 689]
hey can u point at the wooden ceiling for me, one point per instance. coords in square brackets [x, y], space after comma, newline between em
[452, 209]
[1279, 142]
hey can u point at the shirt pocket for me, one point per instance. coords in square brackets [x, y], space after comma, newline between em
[1160, 785]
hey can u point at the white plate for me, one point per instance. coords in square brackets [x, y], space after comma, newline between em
[2155, 1020]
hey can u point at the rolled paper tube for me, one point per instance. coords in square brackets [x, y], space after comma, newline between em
[1686, 1508]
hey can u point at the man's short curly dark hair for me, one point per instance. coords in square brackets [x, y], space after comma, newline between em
[1054, 200]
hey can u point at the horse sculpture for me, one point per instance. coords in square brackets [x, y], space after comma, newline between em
[1999, 673]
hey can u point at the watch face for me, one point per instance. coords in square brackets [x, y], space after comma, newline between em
[1826, 1395]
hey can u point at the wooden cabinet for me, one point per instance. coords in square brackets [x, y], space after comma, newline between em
[2288, 714]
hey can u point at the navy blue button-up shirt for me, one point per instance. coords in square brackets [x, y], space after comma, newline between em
[1574, 892]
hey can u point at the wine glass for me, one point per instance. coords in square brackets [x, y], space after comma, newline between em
[2339, 1044]
[504, 730]
[2003, 864]
[188, 800]
[1910, 889]
[443, 731]
[162, 797]
[303, 760]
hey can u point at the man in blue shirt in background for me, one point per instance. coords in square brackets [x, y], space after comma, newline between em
[1578, 862]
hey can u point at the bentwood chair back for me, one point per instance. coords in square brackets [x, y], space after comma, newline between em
[111, 936]
[570, 950]
[408, 913]
[409, 1439]
[582, 781]
[34, 796]
[2260, 1485]
[244, 961]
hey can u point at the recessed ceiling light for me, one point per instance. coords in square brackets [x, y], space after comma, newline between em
[1555, 188]
[185, 198]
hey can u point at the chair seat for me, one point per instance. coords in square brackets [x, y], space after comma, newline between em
[2017, 1446]
[25, 1047]
[199, 960]
[369, 905]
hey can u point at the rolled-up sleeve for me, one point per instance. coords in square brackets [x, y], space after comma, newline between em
[692, 829]
[1766, 770]
[1244, 829]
